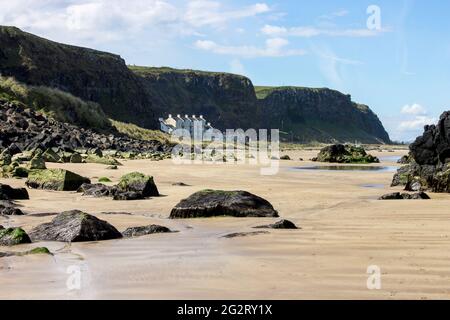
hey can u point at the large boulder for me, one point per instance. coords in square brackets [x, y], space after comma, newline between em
[74, 226]
[13, 236]
[142, 231]
[55, 179]
[37, 163]
[339, 153]
[138, 182]
[433, 147]
[9, 193]
[209, 203]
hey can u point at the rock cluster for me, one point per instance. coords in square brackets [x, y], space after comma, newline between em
[210, 203]
[339, 153]
[429, 168]
[28, 130]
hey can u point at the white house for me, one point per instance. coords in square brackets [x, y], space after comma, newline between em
[196, 126]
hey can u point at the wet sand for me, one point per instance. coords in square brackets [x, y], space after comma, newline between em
[344, 230]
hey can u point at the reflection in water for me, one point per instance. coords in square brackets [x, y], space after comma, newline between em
[348, 168]
[373, 186]
[390, 158]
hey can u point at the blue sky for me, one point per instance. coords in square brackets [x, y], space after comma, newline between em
[399, 67]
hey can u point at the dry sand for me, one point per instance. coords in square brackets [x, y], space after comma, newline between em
[344, 230]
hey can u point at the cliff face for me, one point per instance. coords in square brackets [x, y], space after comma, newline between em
[323, 115]
[88, 74]
[227, 100]
[140, 95]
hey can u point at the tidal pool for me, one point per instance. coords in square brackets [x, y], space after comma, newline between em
[347, 168]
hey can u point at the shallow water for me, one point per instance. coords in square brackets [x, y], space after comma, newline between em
[347, 168]
[373, 186]
[390, 158]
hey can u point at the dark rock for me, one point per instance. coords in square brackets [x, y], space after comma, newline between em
[114, 167]
[244, 234]
[74, 226]
[128, 195]
[180, 184]
[9, 193]
[339, 153]
[286, 157]
[97, 190]
[141, 231]
[13, 236]
[405, 196]
[209, 203]
[282, 224]
[55, 179]
[10, 211]
[405, 159]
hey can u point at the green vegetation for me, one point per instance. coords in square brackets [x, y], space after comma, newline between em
[39, 250]
[263, 91]
[104, 179]
[134, 178]
[143, 71]
[55, 179]
[136, 132]
[55, 103]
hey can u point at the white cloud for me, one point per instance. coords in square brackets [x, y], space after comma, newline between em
[309, 32]
[202, 12]
[237, 67]
[332, 66]
[414, 109]
[104, 20]
[417, 123]
[274, 47]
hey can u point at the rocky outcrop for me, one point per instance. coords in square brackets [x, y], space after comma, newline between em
[244, 234]
[429, 167]
[74, 226]
[47, 134]
[142, 231]
[9, 193]
[13, 236]
[55, 179]
[339, 153]
[210, 203]
[405, 196]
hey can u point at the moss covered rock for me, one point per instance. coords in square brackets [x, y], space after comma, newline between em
[138, 182]
[104, 179]
[92, 158]
[339, 153]
[37, 163]
[209, 203]
[76, 158]
[20, 172]
[51, 156]
[13, 236]
[55, 179]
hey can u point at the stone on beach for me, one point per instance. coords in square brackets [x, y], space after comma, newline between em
[141, 231]
[13, 236]
[282, 224]
[74, 226]
[9, 193]
[210, 203]
[55, 179]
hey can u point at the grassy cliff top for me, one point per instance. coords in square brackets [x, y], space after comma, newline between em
[263, 91]
[143, 71]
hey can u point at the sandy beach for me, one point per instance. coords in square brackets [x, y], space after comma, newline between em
[344, 230]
